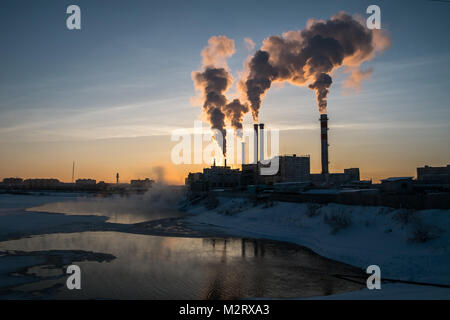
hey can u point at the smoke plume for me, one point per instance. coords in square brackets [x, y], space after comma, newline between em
[355, 78]
[234, 112]
[304, 58]
[213, 81]
[321, 85]
[308, 57]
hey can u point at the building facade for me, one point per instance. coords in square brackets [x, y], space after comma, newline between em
[292, 168]
[437, 175]
[213, 177]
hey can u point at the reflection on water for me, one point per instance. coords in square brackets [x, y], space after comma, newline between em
[153, 267]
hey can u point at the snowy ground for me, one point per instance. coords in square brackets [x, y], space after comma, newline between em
[407, 245]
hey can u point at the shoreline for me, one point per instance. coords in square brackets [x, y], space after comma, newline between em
[398, 257]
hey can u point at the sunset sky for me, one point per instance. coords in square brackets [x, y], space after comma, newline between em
[108, 96]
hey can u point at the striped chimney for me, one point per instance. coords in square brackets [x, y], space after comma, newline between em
[324, 140]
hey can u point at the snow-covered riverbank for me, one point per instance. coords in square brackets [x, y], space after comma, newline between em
[407, 245]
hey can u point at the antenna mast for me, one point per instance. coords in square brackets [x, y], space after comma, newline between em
[73, 171]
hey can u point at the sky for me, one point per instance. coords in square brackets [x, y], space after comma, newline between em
[109, 96]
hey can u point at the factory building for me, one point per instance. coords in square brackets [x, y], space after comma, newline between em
[141, 184]
[291, 169]
[350, 175]
[12, 181]
[434, 175]
[85, 182]
[41, 183]
[396, 185]
[214, 177]
[249, 174]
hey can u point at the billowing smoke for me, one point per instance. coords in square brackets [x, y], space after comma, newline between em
[261, 75]
[321, 85]
[355, 78]
[305, 58]
[308, 57]
[213, 81]
[235, 111]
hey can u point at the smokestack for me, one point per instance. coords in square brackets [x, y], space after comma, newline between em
[225, 162]
[255, 149]
[261, 142]
[324, 140]
[243, 152]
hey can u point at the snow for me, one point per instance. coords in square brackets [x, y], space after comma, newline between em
[323, 191]
[393, 292]
[395, 179]
[382, 236]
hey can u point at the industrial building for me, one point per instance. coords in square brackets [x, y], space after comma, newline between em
[349, 176]
[397, 185]
[291, 168]
[12, 181]
[86, 182]
[142, 184]
[41, 183]
[214, 177]
[434, 175]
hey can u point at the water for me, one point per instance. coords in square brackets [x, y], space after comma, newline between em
[120, 265]
[154, 267]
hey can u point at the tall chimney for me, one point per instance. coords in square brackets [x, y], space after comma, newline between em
[261, 142]
[324, 140]
[255, 149]
[243, 152]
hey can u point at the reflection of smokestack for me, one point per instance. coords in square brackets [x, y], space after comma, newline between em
[324, 139]
[243, 152]
[261, 142]
[255, 149]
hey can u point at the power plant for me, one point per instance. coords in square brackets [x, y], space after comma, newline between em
[291, 168]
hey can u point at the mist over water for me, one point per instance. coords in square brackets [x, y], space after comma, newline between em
[154, 267]
[159, 202]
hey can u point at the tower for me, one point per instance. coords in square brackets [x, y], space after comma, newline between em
[324, 141]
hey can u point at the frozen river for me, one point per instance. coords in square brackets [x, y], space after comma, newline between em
[37, 247]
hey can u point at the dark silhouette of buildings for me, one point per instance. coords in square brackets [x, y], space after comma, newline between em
[214, 177]
[434, 175]
[86, 182]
